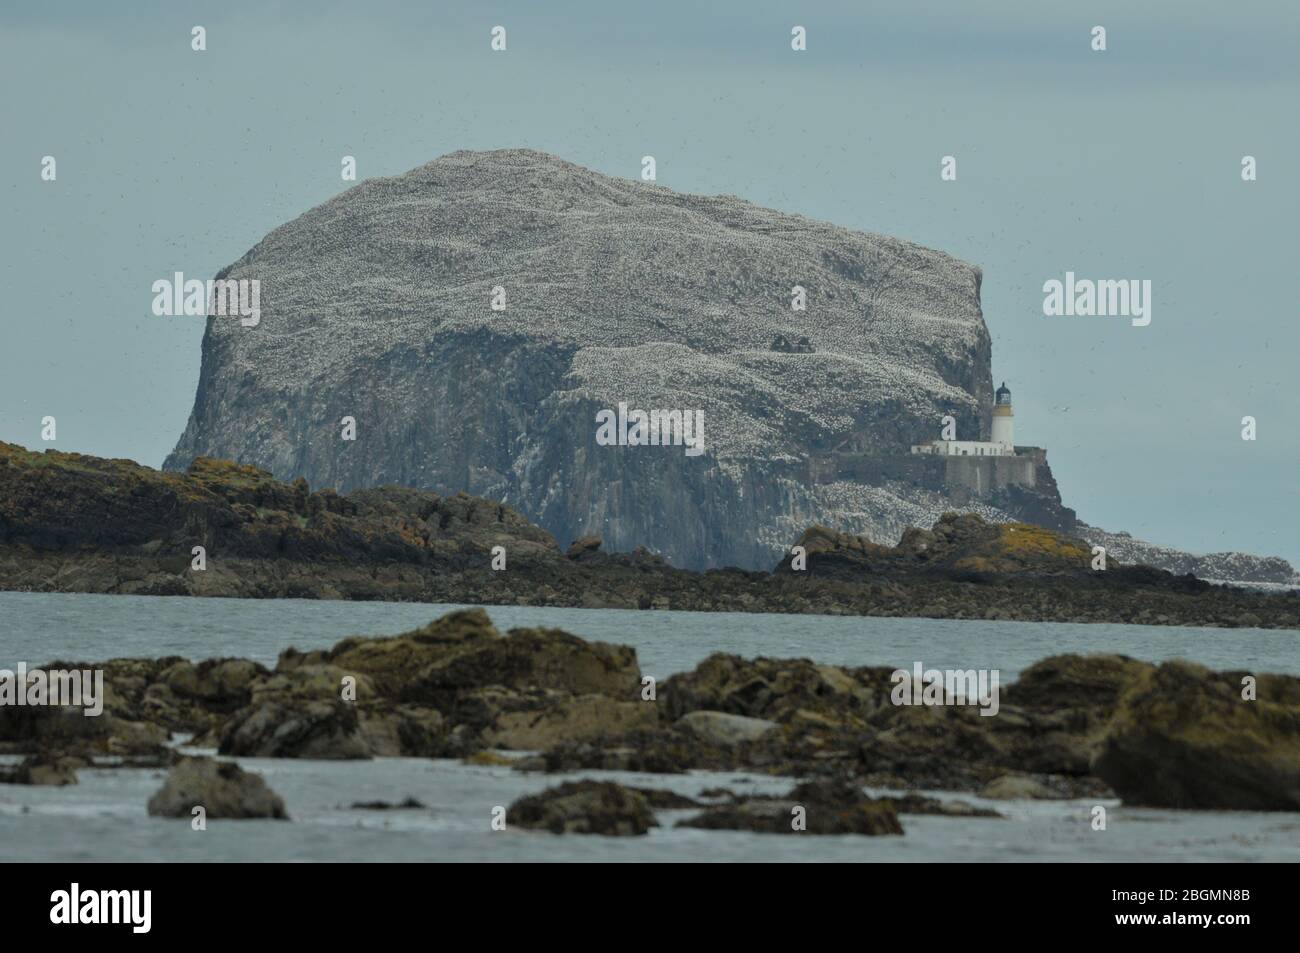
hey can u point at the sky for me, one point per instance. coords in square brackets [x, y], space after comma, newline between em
[1114, 165]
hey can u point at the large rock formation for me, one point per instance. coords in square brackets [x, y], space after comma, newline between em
[74, 523]
[1183, 736]
[223, 789]
[376, 306]
[1071, 726]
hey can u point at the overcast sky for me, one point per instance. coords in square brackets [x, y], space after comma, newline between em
[1122, 164]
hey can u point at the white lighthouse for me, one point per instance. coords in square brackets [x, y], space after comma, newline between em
[1002, 444]
[1003, 428]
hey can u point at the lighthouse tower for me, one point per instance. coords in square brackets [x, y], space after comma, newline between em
[1003, 429]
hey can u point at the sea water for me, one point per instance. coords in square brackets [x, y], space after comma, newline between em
[104, 816]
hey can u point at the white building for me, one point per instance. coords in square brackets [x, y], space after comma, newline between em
[1003, 443]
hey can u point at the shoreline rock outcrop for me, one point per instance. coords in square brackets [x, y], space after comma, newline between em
[1071, 726]
[1185, 737]
[73, 523]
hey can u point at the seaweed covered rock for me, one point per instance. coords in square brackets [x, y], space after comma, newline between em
[774, 689]
[568, 719]
[960, 543]
[76, 523]
[46, 769]
[450, 688]
[221, 788]
[819, 807]
[585, 807]
[323, 730]
[1185, 737]
[36, 729]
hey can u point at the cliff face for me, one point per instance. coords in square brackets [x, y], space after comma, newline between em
[376, 306]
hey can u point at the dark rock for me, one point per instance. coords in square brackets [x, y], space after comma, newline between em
[46, 769]
[959, 543]
[585, 807]
[221, 788]
[35, 729]
[459, 688]
[530, 659]
[583, 548]
[73, 523]
[829, 807]
[1184, 737]
[409, 803]
[321, 729]
[662, 800]
[666, 751]
[572, 719]
[920, 804]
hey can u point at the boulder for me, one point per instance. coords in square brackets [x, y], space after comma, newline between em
[33, 729]
[403, 731]
[51, 770]
[828, 807]
[325, 730]
[666, 750]
[463, 651]
[583, 548]
[585, 807]
[392, 663]
[1184, 737]
[942, 747]
[775, 689]
[218, 684]
[408, 804]
[1076, 682]
[962, 542]
[221, 788]
[527, 659]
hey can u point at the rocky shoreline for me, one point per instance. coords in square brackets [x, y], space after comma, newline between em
[1173, 735]
[74, 523]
